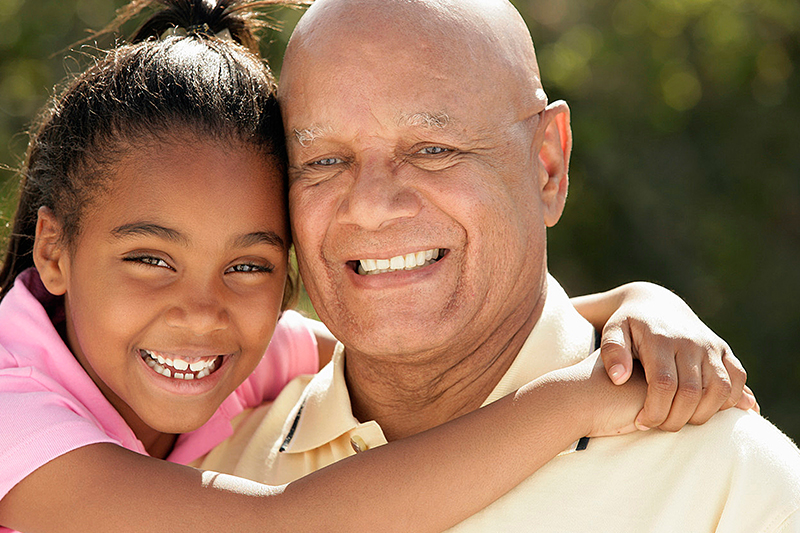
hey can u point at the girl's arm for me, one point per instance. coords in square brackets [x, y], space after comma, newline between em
[691, 372]
[427, 482]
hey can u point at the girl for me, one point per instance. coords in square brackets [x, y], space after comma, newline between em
[144, 278]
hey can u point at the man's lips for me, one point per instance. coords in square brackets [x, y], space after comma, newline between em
[180, 367]
[409, 261]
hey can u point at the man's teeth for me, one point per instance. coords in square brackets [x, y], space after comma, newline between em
[400, 262]
[179, 368]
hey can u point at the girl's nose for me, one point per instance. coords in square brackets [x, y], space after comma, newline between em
[199, 310]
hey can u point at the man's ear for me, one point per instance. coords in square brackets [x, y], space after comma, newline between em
[554, 157]
[48, 252]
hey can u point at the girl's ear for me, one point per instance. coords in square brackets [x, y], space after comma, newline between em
[48, 253]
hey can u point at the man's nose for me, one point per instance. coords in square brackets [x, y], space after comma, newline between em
[199, 309]
[378, 196]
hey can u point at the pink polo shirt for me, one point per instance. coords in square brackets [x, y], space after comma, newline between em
[50, 406]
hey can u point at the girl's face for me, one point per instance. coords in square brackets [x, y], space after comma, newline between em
[175, 283]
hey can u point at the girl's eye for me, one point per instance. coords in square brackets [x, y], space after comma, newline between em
[250, 268]
[148, 260]
[433, 150]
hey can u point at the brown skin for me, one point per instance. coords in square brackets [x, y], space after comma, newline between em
[101, 486]
[408, 137]
[203, 273]
[161, 265]
[414, 337]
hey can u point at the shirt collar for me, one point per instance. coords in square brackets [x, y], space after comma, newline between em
[324, 411]
[561, 337]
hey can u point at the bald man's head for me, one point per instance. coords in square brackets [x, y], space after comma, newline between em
[418, 132]
[485, 40]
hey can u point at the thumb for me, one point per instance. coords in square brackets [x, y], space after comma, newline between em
[615, 352]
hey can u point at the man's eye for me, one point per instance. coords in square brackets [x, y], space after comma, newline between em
[433, 150]
[327, 161]
[251, 268]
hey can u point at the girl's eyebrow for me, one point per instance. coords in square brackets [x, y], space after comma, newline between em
[149, 229]
[259, 237]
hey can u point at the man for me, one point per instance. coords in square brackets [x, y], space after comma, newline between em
[425, 166]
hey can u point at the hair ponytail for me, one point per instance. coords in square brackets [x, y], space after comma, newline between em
[147, 89]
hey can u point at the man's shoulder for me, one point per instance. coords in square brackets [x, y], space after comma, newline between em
[738, 465]
[736, 473]
[736, 440]
[747, 436]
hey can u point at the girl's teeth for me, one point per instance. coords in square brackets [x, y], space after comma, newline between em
[179, 368]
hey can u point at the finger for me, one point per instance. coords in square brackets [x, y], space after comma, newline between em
[737, 374]
[689, 392]
[616, 353]
[748, 400]
[716, 390]
[662, 383]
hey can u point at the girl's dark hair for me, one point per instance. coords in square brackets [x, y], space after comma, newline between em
[175, 76]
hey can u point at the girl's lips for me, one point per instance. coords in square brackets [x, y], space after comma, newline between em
[181, 385]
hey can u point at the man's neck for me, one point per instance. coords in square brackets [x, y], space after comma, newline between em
[425, 390]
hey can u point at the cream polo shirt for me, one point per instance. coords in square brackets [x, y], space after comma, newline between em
[737, 473]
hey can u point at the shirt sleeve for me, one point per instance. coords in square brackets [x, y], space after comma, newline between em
[292, 352]
[38, 425]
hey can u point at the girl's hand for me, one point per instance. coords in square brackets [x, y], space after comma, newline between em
[691, 373]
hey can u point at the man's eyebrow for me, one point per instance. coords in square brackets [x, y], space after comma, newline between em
[425, 119]
[149, 229]
[306, 136]
[259, 237]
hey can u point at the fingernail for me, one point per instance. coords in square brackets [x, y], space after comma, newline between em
[615, 372]
[639, 425]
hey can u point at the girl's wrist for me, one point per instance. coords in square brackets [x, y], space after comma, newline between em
[565, 395]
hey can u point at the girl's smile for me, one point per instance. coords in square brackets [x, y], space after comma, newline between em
[175, 282]
[181, 367]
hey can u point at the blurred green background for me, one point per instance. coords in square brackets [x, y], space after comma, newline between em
[686, 161]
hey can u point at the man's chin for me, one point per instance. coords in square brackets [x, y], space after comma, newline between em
[396, 336]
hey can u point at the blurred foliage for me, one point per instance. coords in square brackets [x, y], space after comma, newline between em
[686, 161]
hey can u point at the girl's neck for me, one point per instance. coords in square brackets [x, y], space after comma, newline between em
[161, 445]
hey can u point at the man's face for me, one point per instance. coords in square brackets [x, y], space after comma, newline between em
[415, 195]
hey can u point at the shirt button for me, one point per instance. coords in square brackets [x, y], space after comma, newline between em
[358, 444]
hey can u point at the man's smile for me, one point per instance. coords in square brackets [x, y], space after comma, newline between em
[409, 261]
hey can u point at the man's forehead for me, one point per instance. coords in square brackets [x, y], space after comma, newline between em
[484, 44]
[419, 120]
